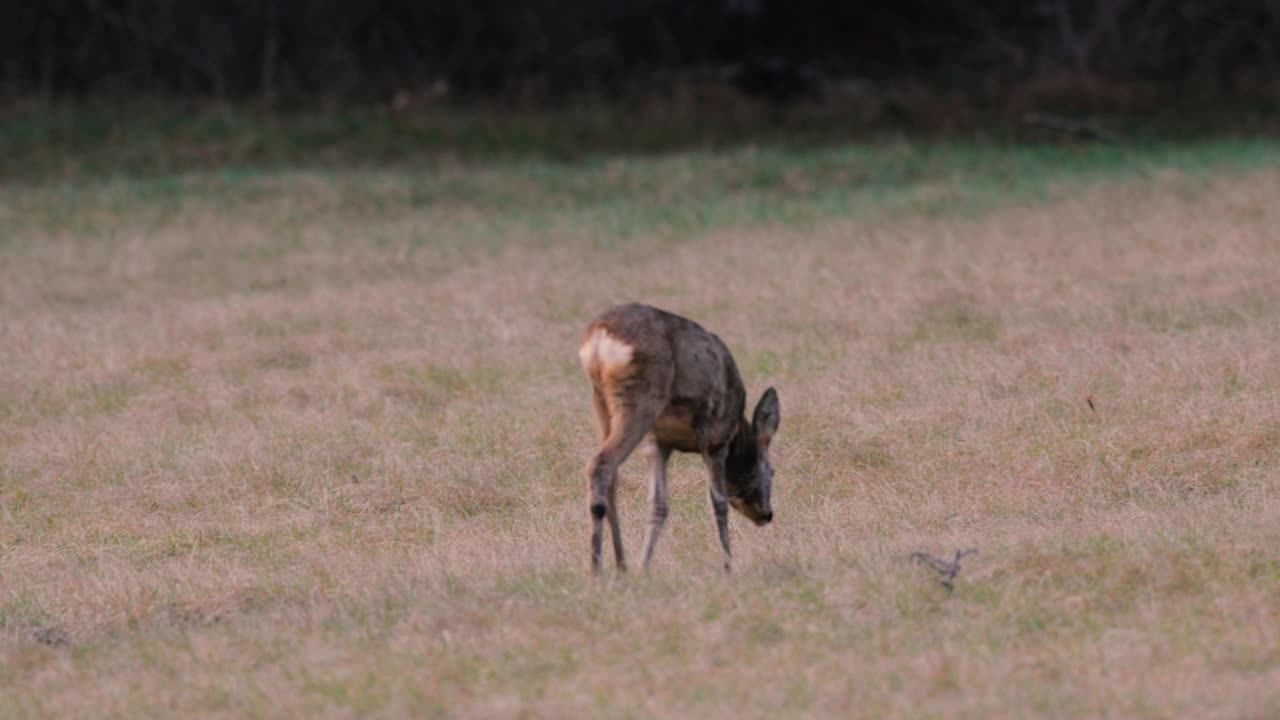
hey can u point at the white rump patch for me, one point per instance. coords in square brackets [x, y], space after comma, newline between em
[604, 349]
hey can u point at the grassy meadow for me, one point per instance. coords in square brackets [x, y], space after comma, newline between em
[282, 436]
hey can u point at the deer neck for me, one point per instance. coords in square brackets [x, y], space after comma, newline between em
[743, 454]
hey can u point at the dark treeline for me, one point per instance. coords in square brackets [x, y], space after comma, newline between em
[537, 49]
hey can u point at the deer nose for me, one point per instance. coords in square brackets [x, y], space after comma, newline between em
[766, 516]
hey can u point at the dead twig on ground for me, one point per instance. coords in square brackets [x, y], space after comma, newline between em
[1090, 129]
[946, 569]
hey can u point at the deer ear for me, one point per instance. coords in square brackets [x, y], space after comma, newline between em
[765, 419]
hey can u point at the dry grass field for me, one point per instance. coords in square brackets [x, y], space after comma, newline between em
[310, 442]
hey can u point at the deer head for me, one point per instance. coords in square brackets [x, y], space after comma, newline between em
[747, 468]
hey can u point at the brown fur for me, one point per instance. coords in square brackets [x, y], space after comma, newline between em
[658, 375]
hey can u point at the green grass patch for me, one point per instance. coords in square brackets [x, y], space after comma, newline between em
[485, 184]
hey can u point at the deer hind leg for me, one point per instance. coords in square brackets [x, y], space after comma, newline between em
[602, 412]
[658, 458]
[597, 526]
[627, 427]
[615, 530]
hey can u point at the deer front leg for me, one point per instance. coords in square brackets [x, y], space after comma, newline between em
[657, 498]
[720, 498]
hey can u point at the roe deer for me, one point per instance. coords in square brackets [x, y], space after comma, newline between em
[658, 374]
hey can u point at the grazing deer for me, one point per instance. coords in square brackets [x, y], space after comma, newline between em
[657, 374]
